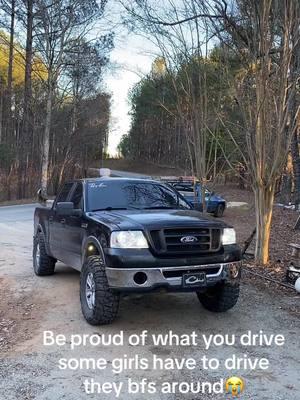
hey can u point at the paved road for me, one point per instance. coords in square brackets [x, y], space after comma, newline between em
[29, 305]
[122, 174]
[126, 174]
[16, 230]
[16, 214]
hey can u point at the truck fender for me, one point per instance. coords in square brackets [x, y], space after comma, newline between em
[91, 246]
[39, 228]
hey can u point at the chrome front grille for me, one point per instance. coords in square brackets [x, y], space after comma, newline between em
[186, 240]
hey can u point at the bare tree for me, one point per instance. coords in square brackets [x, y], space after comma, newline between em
[84, 66]
[266, 40]
[37, 92]
[10, 66]
[59, 25]
[295, 102]
[185, 52]
[9, 9]
[25, 136]
[264, 35]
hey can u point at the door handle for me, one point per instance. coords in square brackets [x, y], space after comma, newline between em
[63, 221]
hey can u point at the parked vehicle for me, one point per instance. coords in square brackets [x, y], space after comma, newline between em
[129, 235]
[215, 204]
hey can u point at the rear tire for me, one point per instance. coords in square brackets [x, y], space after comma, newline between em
[219, 211]
[99, 303]
[220, 298]
[43, 264]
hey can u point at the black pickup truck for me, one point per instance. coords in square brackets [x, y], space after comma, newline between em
[128, 235]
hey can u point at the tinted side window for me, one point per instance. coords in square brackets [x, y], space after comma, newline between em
[77, 197]
[63, 194]
[183, 188]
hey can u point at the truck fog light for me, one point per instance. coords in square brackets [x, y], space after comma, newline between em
[140, 278]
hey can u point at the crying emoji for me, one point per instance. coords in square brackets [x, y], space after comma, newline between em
[234, 386]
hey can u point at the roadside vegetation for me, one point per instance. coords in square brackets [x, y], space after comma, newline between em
[54, 114]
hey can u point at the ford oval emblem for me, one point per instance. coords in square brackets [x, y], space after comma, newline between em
[189, 239]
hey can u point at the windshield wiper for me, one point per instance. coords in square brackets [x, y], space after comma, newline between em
[160, 208]
[117, 208]
[110, 209]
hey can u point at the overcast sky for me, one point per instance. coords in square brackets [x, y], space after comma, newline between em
[133, 58]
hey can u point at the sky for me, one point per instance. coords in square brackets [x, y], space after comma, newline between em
[132, 59]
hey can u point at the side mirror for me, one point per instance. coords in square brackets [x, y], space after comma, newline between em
[67, 208]
[41, 198]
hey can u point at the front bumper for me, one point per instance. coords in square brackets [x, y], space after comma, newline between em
[171, 278]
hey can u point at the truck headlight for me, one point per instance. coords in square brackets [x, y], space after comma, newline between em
[229, 236]
[128, 240]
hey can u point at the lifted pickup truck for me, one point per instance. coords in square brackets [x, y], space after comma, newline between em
[127, 235]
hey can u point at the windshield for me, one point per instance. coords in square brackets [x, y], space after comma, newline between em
[132, 195]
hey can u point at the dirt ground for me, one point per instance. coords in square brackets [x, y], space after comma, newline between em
[284, 219]
[29, 305]
[282, 230]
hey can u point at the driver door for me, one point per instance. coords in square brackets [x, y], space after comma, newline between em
[57, 224]
[74, 228]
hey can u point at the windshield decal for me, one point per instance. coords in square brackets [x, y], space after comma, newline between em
[97, 185]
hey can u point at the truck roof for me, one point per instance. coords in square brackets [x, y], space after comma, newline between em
[121, 179]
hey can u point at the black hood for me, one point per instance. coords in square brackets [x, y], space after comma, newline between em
[156, 219]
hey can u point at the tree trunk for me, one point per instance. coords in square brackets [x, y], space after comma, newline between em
[66, 160]
[46, 141]
[8, 97]
[1, 112]
[295, 71]
[215, 159]
[296, 166]
[25, 136]
[62, 170]
[264, 199]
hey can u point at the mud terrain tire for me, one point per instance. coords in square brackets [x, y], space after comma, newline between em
[219, 211]
[99, 303]
[220, 298]
[42, 263]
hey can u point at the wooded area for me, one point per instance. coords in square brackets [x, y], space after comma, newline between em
[53, 114]
[223, 93]
[222, 97]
